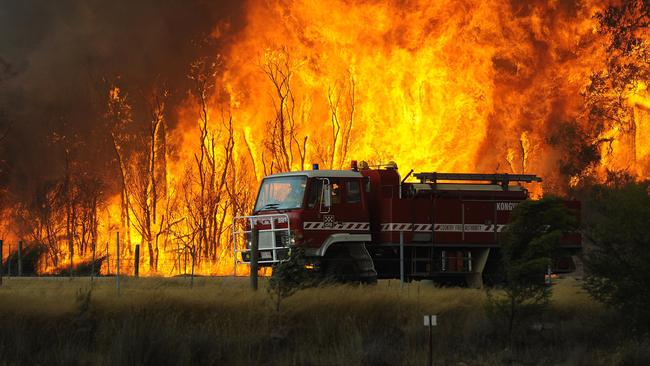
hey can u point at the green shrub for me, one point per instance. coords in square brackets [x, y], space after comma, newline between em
[617, 267]
[534, 233]
[288, 277]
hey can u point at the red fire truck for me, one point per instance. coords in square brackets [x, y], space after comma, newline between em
[368, 223]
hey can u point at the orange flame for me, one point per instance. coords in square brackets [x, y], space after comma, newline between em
[436, 86]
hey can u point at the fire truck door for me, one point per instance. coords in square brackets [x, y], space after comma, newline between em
[334, 206]
[346, 209]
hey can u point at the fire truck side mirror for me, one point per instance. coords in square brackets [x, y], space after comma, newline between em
[326, 197]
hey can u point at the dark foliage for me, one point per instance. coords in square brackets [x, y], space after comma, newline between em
[618, 266]
[576, 157]
[533, 235]
[31, 254]
[288, 277]
[86, 268]
[625, 26]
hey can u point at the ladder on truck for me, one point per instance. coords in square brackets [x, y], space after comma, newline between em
[501, 179]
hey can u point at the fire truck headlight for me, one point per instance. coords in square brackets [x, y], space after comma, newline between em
[296, 236]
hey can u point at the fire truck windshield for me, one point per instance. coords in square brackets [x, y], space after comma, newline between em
[279, 193]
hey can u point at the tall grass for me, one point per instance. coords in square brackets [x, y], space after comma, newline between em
[61, 321]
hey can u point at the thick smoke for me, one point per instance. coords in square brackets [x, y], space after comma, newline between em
[59, 57]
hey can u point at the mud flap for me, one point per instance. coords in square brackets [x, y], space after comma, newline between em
[475, 279]
[364, 263]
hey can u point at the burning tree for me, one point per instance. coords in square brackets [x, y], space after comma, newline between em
[455, 86]
[91, 198]
[147, 177]
[612, 91]
[282, 139]
[61, 213]
[119, 117]
[340, 99]
[203, 188]
[62, 217]
[140, 147]
[41, 220]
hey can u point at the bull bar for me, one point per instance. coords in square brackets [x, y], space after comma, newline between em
[272, 225]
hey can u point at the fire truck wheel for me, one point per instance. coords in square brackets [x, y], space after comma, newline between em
[339, 265]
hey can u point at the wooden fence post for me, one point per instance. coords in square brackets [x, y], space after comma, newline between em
[136, 270]
[2, 267]
[9, 260]
[108, 259]
[92, 267]
[20, 258]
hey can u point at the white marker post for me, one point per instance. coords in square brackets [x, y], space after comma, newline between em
[430, 321]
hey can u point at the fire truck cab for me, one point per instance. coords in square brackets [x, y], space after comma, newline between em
[364, 224]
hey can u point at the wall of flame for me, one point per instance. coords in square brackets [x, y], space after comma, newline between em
[463, 86]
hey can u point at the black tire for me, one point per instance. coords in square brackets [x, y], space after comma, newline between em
[338, 266]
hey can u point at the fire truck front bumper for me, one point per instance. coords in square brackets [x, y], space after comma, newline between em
[265, 257]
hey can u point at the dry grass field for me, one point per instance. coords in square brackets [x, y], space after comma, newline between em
[220, 321]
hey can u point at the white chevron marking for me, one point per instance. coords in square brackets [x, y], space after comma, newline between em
[439, 227]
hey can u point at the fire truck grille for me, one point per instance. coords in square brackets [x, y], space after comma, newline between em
[282, 239]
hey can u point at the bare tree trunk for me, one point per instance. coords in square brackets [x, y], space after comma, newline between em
[193, 254]
[67, 196]
[282, 138]
[125, 219]
[341, 127]
[347, 134]
[333, 101]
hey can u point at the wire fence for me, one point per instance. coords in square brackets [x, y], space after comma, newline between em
[19, 260]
